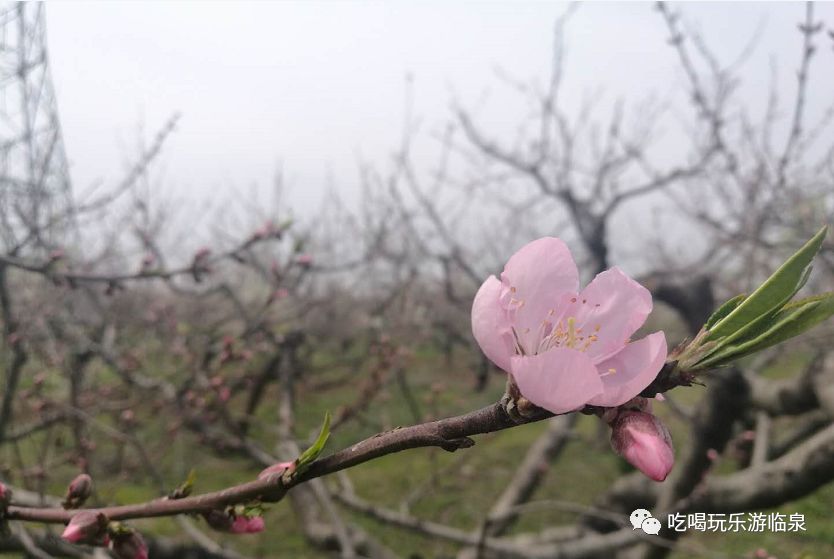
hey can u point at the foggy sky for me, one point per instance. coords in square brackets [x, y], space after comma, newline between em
[316, 86]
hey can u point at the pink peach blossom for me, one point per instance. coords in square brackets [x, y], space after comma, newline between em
[643, 440]
[565, 348]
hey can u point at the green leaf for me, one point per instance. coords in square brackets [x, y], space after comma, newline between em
[186, 488]
[309, 456]
[772, 294]
[793, 319]
[724, 310]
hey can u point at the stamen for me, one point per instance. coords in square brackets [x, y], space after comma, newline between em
[519, 349]
[571, 332]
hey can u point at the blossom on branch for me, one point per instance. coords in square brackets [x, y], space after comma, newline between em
[565, 348]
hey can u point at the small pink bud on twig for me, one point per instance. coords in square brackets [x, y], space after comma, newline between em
[88, 526]
[231, 523]
[79, 490]
[279, 294]
[247, 525]
[643, 440]
[5, 496]
[224, 393]
[218, 520]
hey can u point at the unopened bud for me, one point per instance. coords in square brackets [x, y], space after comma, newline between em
[79, 490]
[130, 546]
[643, 440]
[5, 495]
[229, 522]
[87, 527]
[218, 520]
[248, 525]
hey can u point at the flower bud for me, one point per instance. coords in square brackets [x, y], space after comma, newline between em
[247, 525]
[130, 546]
[88, 527]
[228, 521]
[218, 520]
[5, 495]
[644, 442]
[79, 490]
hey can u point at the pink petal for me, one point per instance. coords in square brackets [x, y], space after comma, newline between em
[72, 533]
[255, 525]
[559, 380]
[536, 277]
[491, 325]
[612, 307]
[240, 525]
[628, 372]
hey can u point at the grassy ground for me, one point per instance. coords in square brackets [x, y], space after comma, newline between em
[453, 489]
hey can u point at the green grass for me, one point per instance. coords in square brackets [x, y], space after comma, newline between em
[454, 489]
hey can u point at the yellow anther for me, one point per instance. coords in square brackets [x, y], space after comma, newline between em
[571, 332]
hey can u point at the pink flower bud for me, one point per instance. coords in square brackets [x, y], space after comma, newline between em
[247, 525]
[218, 520]
[88, 527]
[5, 495]
[224, 393]
[644, 442]
[130, 546]
[278, 294]
[304, 260]
[224, 521]
[79, 490]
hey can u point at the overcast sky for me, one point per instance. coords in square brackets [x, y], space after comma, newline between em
[315, 86]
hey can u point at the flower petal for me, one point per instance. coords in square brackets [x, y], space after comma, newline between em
[491, 325]
[535, 278]
[612, 307]
[559, 380]
[634, 368]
